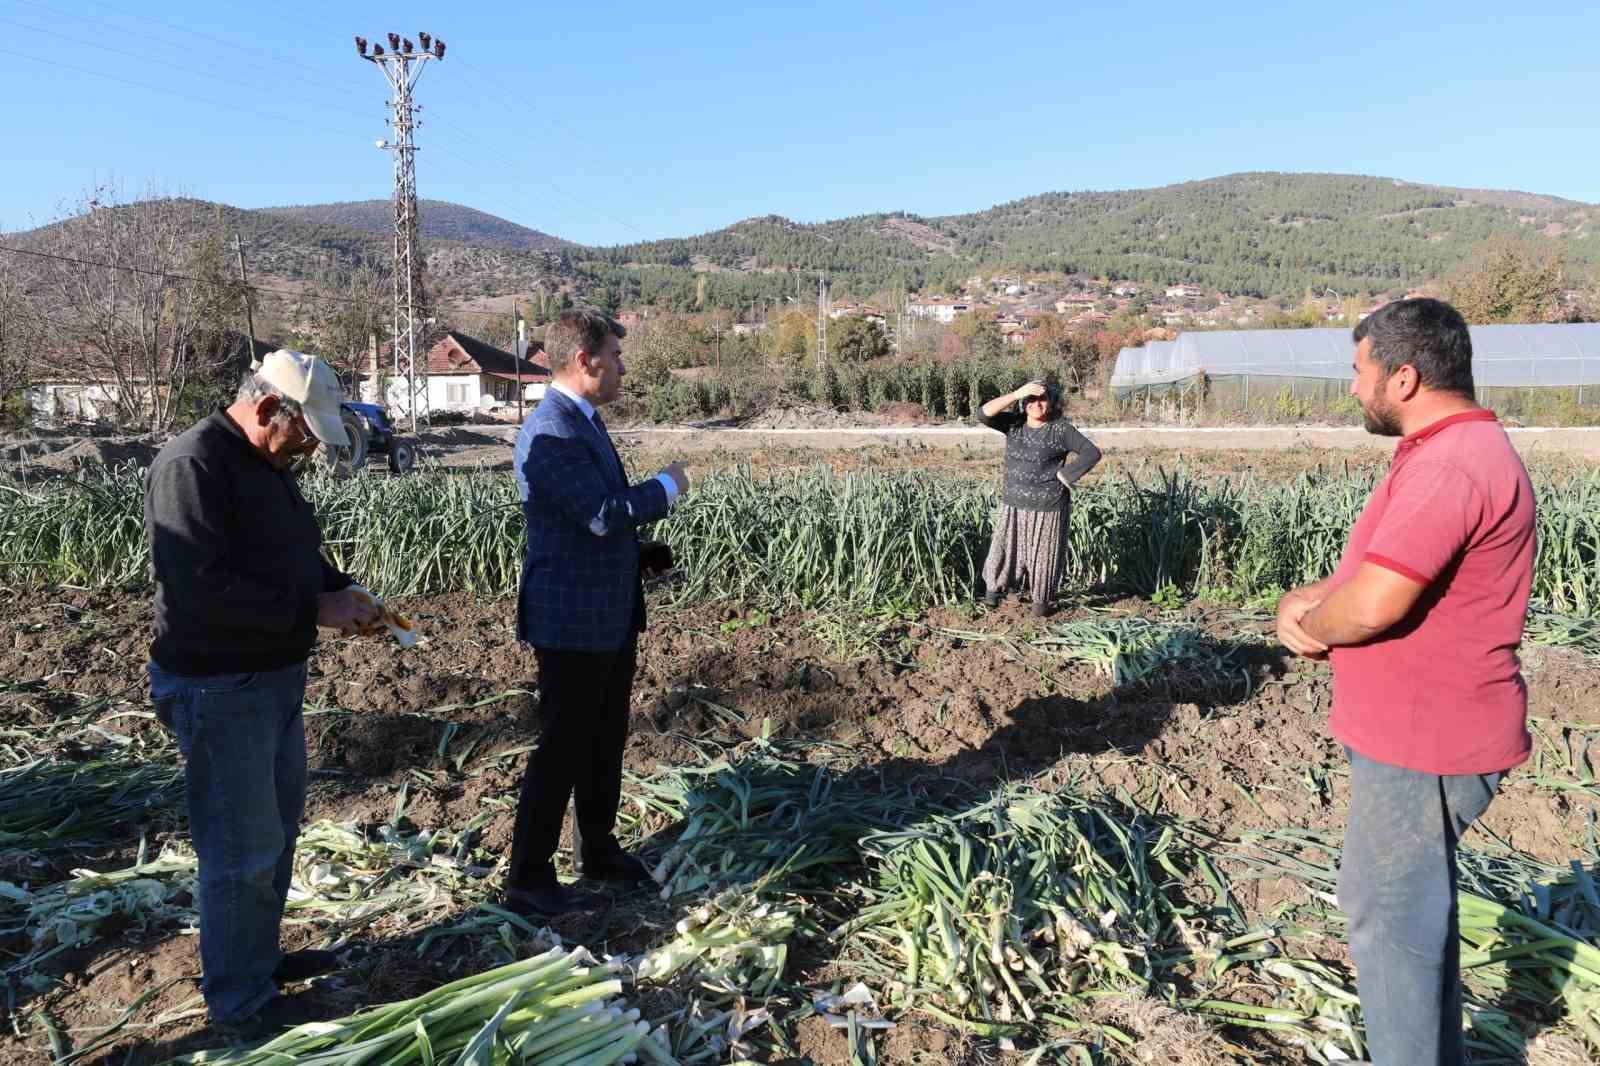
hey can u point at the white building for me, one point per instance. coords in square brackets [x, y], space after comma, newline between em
[466, 375]
[939, 310]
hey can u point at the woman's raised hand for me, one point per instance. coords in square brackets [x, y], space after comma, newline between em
[1030, 391]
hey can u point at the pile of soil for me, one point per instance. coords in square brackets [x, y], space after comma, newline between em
[805, 416]
[52, 456]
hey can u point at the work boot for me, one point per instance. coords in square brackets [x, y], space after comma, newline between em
[303, 965]
[271, 1018]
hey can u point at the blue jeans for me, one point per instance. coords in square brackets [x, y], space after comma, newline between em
[1397, 884]
[244, 747]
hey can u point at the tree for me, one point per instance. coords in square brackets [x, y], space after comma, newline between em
[791, 335]
[340, 313]
[856, 339]
[1054, 342]
[22, 328]
[986, 341]
[1509, 280]
[154, 317]
[666, 343]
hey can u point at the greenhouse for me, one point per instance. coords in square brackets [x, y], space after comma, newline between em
[1515, 368]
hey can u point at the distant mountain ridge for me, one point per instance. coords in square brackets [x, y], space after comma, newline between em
[1253, 234]
[438, 219]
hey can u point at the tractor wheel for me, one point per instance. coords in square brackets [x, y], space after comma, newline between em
[356, 426]
[348, 461]
[402, 456]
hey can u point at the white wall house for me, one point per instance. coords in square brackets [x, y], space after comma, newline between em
[939, 310]
[56, 403]
[466, 375]
[81, 385]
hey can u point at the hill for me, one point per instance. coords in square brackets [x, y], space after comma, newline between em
[294, 245]
[1259, 234]
[439, 220]
[1255, 234]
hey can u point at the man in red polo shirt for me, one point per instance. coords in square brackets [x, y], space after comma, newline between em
[1421, 620]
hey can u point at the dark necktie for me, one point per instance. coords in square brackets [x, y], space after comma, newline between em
[610, 449]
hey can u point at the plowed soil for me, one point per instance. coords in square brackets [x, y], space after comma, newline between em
[952, 691]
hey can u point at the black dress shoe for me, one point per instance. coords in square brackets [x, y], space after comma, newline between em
[273, 1017]
[615, 866]
[303, 965]
[547, 900]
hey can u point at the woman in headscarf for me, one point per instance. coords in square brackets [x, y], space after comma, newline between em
[1030, 534]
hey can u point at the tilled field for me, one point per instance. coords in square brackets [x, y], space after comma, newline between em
[433, 740]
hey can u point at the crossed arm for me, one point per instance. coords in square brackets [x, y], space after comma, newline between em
[1316, 617]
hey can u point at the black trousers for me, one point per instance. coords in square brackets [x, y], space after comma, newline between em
[583, 700]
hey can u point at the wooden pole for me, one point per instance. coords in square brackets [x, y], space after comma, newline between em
[249, 313]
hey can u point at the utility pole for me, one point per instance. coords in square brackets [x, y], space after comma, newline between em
[822, 319]
[249, 313]
[519, 349]
[402, 67]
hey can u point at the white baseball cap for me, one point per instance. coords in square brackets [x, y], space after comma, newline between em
[312, 384]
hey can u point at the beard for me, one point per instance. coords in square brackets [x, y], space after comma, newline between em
[1380, 419]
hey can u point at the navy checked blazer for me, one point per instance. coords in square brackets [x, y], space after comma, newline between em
[580, 578]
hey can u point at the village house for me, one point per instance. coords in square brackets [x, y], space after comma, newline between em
[81, 385]
[1076, 301]
[939, 310]
[466, 375]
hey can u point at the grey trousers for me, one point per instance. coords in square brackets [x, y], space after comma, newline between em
[1397, 884]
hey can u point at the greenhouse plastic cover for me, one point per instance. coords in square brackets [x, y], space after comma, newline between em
[1556, 355]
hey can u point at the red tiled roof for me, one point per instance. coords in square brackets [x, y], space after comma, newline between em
[457, 353]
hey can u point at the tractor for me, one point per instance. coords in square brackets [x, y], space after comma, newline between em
[371, 431]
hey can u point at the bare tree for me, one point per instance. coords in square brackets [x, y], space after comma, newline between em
[141, 300]
[339, 312]
[21, 332]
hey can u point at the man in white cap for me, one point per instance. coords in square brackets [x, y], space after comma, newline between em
[241, 586]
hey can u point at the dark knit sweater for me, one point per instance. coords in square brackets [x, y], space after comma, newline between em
[1034, 456]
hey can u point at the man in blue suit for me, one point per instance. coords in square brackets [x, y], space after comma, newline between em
[581, 606]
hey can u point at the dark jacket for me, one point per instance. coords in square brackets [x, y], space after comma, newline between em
[580, 578]
[235, 552]
[1036, 474]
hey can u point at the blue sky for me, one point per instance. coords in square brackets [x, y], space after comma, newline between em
[614, 122]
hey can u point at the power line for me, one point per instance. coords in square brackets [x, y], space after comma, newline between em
[173, 92]
[485, 76]
[146, 59]
[253, 47]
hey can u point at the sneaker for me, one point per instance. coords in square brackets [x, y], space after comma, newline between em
[991, 600]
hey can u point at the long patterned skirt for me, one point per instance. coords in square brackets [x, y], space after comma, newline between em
[1028, 547]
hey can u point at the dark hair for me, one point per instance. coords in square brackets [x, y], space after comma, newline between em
[1429, 335]
[579, 329]
[1050, 395]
